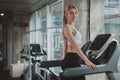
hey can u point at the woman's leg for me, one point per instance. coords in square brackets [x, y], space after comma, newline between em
[71, 60]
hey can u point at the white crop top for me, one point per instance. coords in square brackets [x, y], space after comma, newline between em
[77, 36]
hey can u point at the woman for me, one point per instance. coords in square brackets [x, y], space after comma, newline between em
[72, 40]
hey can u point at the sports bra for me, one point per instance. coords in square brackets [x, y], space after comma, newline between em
[77, 36]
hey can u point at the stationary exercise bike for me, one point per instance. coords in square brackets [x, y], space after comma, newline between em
[30, 54]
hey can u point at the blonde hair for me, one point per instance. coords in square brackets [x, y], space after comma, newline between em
[64, 23]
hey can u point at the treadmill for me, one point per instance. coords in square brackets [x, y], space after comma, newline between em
[103, 51]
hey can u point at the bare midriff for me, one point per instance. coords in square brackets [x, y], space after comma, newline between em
[71, 48]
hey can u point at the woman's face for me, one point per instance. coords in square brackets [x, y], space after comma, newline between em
[71, 15]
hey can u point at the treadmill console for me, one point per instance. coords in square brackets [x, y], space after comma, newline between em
[98, 46]
[36, 50]
[99, 41]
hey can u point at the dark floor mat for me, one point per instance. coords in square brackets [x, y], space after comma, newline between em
[4, 75]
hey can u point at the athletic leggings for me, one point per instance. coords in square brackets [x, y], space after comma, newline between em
[71, 60]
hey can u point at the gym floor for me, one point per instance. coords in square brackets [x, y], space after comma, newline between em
[5, 74]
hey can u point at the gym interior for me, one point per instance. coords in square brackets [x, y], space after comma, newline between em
[38, 24]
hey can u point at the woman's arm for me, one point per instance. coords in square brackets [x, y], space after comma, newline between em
[68, 34]
[65, 48]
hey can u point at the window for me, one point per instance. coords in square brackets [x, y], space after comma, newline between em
[112, 18]
[56, 14]
[111, 3]
[45, 29]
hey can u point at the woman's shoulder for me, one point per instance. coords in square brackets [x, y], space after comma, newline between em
[68, 27]
[67, 30]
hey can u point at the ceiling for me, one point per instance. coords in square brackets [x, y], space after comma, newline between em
[23, 6]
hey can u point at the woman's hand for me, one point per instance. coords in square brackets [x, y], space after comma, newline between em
[90, 64]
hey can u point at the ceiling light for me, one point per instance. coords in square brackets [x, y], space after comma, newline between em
[1, 14]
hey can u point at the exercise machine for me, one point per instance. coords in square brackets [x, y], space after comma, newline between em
[104, 51]
[30, 54]
[37, 51]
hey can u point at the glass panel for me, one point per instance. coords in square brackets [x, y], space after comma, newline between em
[33, 22]
[112, 18]
[32, 37]
[42, 38]
[43, 18]
[56, 43]
[56, 15]
[111, 3]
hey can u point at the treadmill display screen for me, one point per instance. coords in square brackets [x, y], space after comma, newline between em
[99, 41]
